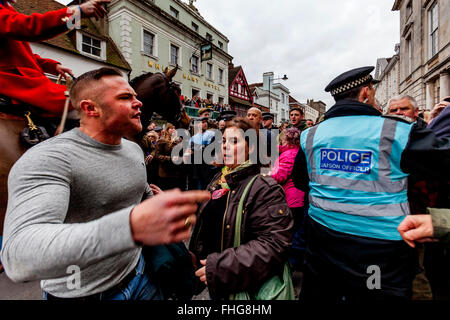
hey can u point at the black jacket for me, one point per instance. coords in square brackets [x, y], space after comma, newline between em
[266, 235]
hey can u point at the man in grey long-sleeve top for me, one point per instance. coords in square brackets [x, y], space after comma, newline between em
[74, 217]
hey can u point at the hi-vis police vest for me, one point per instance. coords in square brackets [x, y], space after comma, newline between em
[356, 184]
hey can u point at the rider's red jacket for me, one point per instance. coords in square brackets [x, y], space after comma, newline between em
[22, 72]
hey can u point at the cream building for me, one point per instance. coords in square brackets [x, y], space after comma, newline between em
[311, 113]
[388, 72]
[155, 34]
[424, 50]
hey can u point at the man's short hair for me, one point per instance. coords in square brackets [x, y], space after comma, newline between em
[401, 97]
[297, 109]
[351, 94]
[86, 80]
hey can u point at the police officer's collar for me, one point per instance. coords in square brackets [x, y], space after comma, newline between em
[347, 107]
[399, 117]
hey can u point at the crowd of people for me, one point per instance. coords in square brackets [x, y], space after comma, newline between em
[197, 102]
[344, 201]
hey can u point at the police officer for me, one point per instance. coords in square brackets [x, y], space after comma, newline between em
[268, 120]
[355, 165]
[227, 115]
[270, 130]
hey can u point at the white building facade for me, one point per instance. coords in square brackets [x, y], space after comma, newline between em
[279, 97]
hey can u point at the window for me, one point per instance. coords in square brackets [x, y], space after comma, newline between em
[220, 76]
[194, 27]
[195, 93]
[174, 50]
[149, 43]
[408, 9]
[220, 45]
[243, 92]
[173, 12]
[433, 40]
[210, 97]
[194, 64]
[221, 100]
[91, 46]
[209, 37]
[282, 98]
[409, 55]
[209, 72]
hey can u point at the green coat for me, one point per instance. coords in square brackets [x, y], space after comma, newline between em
[441, 223]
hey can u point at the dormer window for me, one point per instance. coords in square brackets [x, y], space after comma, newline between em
[91, 46]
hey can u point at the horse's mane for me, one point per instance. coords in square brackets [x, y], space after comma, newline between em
[138, 79]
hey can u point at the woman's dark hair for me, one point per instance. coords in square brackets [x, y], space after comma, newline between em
[240, 123]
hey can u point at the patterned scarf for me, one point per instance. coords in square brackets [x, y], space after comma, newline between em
[227, 170]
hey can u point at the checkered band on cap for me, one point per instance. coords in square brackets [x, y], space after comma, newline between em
[351, 85]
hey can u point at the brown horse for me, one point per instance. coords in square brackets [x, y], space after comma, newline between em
[157, 92]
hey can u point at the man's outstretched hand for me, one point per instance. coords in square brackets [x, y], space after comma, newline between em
[166, 217]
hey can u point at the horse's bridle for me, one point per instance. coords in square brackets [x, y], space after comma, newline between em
[171, 84]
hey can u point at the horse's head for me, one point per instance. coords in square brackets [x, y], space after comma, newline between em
[158, 93]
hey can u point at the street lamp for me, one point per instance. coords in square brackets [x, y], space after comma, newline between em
[270, 79]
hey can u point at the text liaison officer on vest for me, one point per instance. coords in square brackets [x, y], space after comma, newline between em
[355, 167]
[346, 160]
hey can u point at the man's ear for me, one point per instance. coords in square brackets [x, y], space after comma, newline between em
[89, 108]
[363, 94]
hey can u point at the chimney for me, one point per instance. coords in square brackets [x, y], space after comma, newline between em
[266, 77]
[230, 65]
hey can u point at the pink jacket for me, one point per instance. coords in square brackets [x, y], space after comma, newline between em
[281, 172]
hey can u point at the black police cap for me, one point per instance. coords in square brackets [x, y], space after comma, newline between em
[227, 115]
[267, 115]
[351, 79]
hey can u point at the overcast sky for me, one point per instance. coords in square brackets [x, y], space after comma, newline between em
[309, 41]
